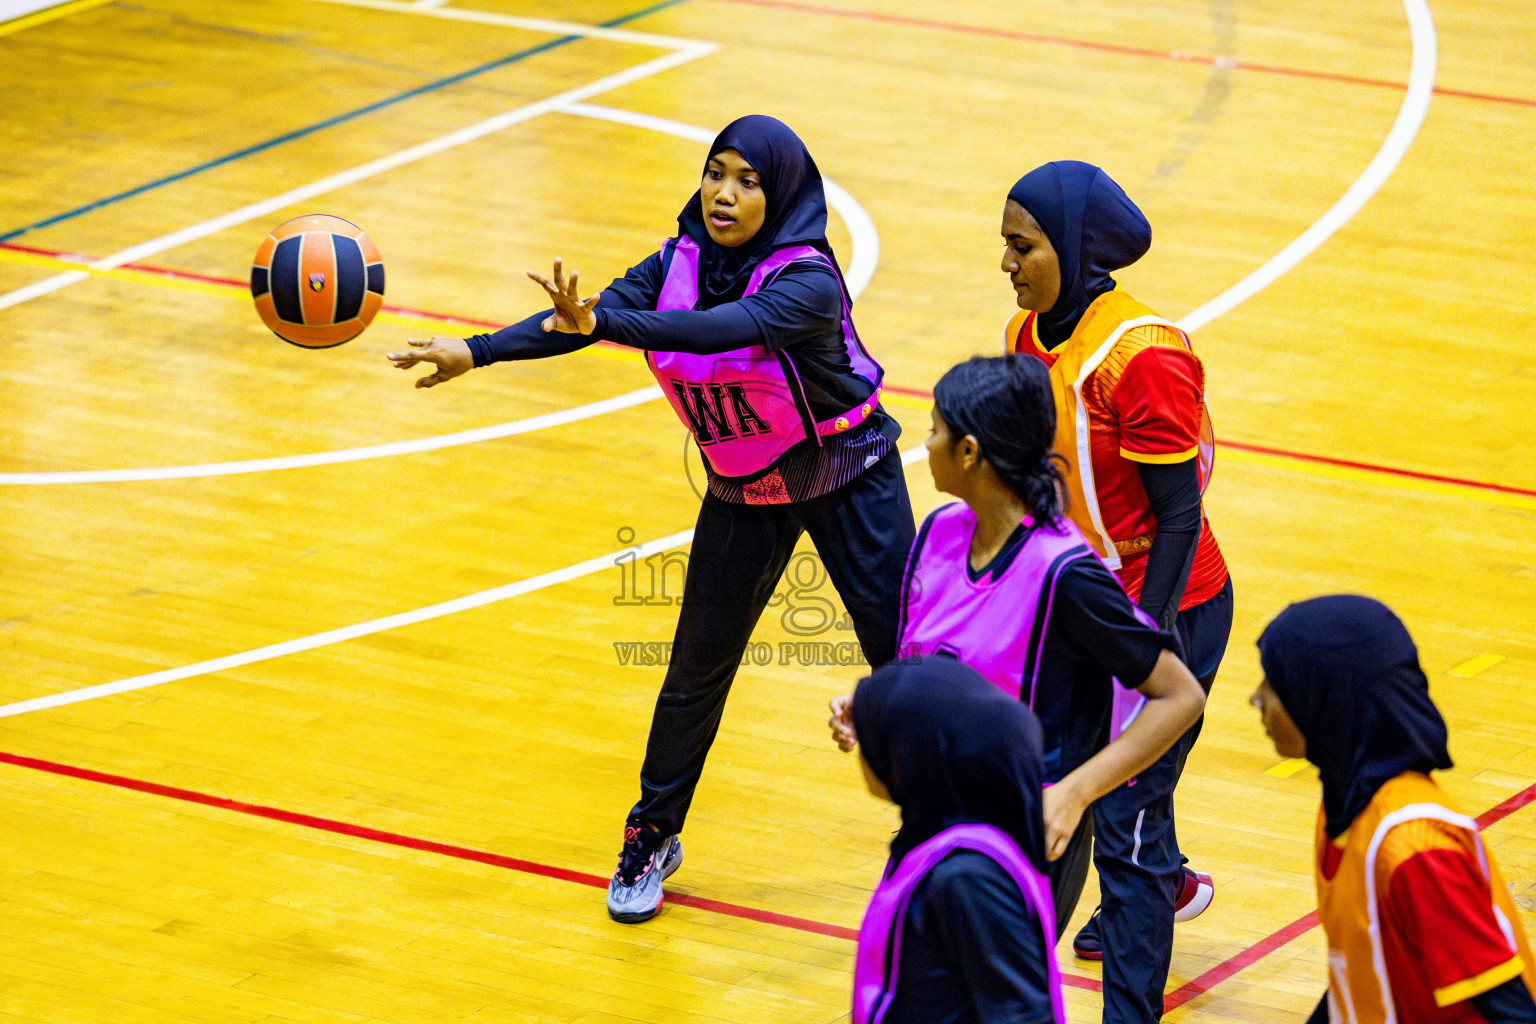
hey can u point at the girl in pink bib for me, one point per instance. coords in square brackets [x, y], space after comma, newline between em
[747, 325]
[960, 928]
[1004, 583]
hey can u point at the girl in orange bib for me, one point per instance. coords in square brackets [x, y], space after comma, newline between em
[1421, 927]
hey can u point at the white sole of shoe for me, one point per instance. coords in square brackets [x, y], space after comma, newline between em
[1204, 894]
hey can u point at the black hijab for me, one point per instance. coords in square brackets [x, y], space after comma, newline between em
[796, 214]
[952, 749]
[1348, 673]
[1094, 228]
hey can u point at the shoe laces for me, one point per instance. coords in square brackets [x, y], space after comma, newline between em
[640, 846]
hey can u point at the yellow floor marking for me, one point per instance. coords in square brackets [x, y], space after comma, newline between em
[1481, 663]
[49, 14]
[1285, 769]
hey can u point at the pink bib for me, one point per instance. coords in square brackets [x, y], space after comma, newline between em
[996, 625]
[747, 407]
[879, 954]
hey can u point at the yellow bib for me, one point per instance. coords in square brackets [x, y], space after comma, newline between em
[1358, 988]
[1104, 323]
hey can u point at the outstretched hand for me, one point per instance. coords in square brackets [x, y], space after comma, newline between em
[451, 356]
[573, 314]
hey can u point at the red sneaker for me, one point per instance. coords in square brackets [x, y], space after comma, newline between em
[1196, 890]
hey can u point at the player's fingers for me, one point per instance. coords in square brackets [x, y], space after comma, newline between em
[571, 287]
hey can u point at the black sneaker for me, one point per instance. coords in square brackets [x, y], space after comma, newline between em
[1086, 944]
[648, 857]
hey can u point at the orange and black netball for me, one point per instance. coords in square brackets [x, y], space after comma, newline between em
[318, 281]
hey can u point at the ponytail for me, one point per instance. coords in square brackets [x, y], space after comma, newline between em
[1005, 403]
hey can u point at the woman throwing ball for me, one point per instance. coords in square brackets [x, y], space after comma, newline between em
[745, 320]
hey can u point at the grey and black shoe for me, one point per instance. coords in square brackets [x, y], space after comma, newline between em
[648, 857]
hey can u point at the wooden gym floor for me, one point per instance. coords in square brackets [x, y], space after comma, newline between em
[349, 735]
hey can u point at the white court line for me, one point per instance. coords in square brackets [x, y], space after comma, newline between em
[378, 451]
[1410, 116]
[1420, 89]
[554, 28]
[361, 629]
[861, 268]
[334, 636]
[689, 52]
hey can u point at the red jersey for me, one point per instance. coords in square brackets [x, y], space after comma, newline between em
[1411, 883]
[1144, 404]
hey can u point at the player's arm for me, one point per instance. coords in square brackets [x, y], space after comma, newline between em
[1157, 402]
[1101, 622]
[534, 337]
[1509, 1003]
[1173, 491]
[803, 302]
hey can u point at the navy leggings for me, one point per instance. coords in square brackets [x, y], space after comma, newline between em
[862, 532]
[1136, 849]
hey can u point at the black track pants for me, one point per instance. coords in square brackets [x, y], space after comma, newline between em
[862, 532]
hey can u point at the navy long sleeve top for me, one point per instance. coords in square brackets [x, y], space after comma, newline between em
[799, 313]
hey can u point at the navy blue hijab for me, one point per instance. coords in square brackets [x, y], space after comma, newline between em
[1094, 228]
[796, 214]
[1348, 674]
[952, 749]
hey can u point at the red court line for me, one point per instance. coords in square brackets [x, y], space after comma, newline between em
[411, 843]
[1130, 51]
[1323, 459]
[445, 849]
[188, 275]
[1183, 994]
[1267, 945]
[893, 388]
[1348, 464]
[1247, 958]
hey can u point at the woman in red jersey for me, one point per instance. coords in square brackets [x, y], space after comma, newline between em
[1131, 424]
[1421, 927]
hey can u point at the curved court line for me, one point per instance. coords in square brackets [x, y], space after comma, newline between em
[861, 268]
[1410, 116]
[352, 632]
[1422, 35]
[377, 451]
